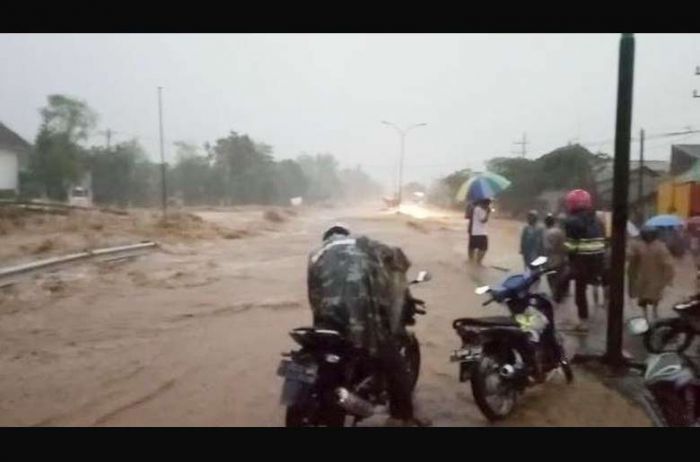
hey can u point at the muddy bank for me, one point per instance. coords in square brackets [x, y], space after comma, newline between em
[28, 235]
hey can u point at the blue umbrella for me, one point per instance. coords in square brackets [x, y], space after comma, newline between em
[662, 221]
[484, 186]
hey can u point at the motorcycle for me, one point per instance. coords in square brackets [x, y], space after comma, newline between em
[679, 331]
[503, 355]
[328, 380]
[672, 388]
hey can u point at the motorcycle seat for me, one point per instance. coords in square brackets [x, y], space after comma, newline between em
[315, 337]
[488, 321]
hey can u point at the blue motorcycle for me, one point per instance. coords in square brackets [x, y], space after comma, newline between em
[503, 355]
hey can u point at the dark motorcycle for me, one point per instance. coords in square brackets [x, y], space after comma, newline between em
[677, 333]
[672, 384]
[328, 379]
[503, 355]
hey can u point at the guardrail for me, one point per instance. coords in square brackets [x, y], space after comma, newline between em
[57, 206]
[55, 261]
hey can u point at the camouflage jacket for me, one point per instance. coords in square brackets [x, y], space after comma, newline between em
[358, 286]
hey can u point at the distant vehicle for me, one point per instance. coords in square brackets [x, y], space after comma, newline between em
[390, 201]
[79, 197]
[418, 197]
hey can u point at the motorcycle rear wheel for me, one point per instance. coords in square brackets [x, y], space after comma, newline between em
[495, 396]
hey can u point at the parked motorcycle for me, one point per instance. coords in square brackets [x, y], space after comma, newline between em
[503, 355]
[677, 333]
[328, 380]
[672, 384]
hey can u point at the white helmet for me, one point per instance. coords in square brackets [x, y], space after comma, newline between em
[337, 228]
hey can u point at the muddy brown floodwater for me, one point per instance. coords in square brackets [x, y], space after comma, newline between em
[192, 335]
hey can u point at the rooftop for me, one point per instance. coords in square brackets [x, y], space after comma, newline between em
[12, 141]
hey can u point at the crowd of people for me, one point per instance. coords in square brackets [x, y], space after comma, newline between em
[575, 242]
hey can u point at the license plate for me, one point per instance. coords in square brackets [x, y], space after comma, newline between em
[294, 392]
[291, 370]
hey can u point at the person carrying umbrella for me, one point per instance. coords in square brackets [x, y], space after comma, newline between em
[479, 191]
[478, 234]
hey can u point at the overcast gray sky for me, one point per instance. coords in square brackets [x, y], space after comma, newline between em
[328, 92]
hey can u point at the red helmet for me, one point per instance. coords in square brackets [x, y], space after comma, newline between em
[578, 199]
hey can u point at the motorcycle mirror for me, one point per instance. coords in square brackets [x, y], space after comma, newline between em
[423, 276]
[539, 261]
[637, 325]
[482, 290]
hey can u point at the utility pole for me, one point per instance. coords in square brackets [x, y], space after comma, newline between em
[523, 144]
[402, 135]
[640, 195]
[108, 137]
[625, 83]
[162, 154]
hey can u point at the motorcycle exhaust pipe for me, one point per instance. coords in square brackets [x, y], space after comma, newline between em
[353, 404]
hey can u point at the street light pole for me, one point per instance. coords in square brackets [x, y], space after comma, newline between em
[402, 137]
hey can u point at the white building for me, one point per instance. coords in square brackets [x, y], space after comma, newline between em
[14, 155]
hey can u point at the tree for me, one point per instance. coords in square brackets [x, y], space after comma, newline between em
[443, 192]
[246, 169]
[193, 177]
[321, 171]
[290, 181]
[356, 184]
[57, 159]
[115, 179]
[68, 116]
[568, 167]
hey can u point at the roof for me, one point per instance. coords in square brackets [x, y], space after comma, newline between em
[693, 150]
[604, 172]
[12, 141]
[692, 175]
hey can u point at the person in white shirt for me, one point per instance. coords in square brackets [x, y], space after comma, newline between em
[478, 237]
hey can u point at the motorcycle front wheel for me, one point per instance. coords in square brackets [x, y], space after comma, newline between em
[494, 395]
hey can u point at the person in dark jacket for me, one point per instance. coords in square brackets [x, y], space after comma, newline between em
[531, 245]
[554, 245]
[585, 243]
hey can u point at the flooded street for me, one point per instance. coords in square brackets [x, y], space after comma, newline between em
[191, 335]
